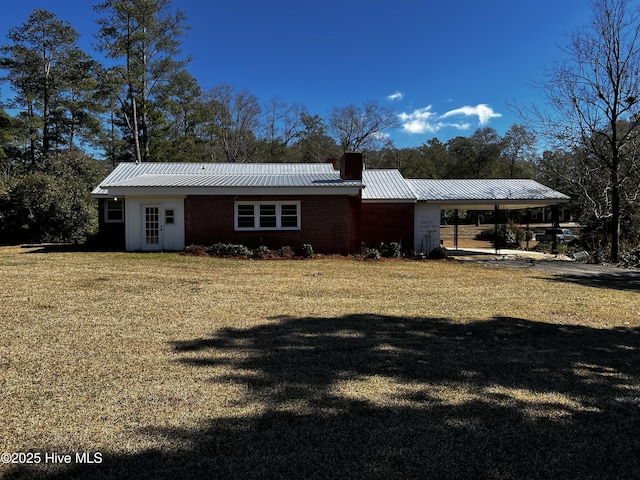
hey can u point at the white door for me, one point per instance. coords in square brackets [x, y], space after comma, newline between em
[152, 227]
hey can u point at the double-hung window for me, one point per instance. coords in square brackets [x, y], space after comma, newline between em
[114, 210]
[267, 216]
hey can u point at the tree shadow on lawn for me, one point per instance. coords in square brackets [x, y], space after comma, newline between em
[624, 280]
[369, 396]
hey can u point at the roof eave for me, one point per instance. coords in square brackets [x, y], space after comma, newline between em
[490, 204]
[266, 191]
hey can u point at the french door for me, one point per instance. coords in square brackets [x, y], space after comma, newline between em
[151, 227]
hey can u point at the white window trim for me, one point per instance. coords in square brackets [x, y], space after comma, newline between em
[256, 215]
[106, 211]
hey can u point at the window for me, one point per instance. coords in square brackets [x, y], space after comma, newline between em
[289, 215]
[267, 216]
[114, 211]
[245, 216]
[169, 217]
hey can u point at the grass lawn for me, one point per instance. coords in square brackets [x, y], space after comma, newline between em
[187, 367]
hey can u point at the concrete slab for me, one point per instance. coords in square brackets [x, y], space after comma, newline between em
[504, 254]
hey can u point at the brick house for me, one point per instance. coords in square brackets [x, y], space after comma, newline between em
[335, 207]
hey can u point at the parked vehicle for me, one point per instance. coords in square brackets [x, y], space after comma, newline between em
[562, 235]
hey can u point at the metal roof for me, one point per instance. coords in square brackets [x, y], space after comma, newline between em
[235, 180]
[223, 175]
[376, 185]
[507, 193]
[386, 185]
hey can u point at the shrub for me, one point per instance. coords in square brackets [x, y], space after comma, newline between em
[369, 253]
[229, 250]
[438, 253]
[262, 252]
[286, 252]
[510, 235]
[195, 250]
[307, 250]
[265, 253]
[485, 235]
[392, 250]
[631, 259]
[420, 255]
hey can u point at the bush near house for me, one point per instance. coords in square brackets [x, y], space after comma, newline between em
[510, 235]
[232, 250]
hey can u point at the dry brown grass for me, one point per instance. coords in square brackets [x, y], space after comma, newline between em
[186, 367]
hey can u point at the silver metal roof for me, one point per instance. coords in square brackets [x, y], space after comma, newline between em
[377, 185]
[507, 193]
[223, 175]
[234, 180]
[386, 185]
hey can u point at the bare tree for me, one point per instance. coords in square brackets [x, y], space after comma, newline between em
[283, 126]
[518, 152]
[595, 96]
[234, 117]
[361, 128]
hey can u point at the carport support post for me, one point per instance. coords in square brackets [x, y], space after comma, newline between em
[455, 228]
[555, 216]
[526, 233]
[496, 211]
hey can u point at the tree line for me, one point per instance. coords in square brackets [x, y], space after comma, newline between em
[146, 106]
[140, 103]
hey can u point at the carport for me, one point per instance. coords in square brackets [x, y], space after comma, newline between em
[499, 195]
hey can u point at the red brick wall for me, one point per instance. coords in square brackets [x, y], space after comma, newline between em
[387, 222]
[355, 224]
[325, 223]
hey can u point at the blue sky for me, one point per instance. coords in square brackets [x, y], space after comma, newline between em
[446, 68]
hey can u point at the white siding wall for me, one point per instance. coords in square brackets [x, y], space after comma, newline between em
[172, 237]
[426, 227]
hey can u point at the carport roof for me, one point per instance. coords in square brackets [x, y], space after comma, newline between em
[485, 194]
[386, 185]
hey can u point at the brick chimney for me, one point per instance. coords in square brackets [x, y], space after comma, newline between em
[351, 166]
[334, 162]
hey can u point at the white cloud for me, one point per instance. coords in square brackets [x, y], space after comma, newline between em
[424, 120]
[397, 95]
[482, 111]
[419, 121]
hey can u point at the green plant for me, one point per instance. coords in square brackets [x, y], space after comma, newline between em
[369, 253]
[307, 250]
[631, 258]
[485, 235]
[195, 250]
[438, 253]
[229, 250]
[286, 252]
[392, 250]
[262, 250]
[509, 235]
